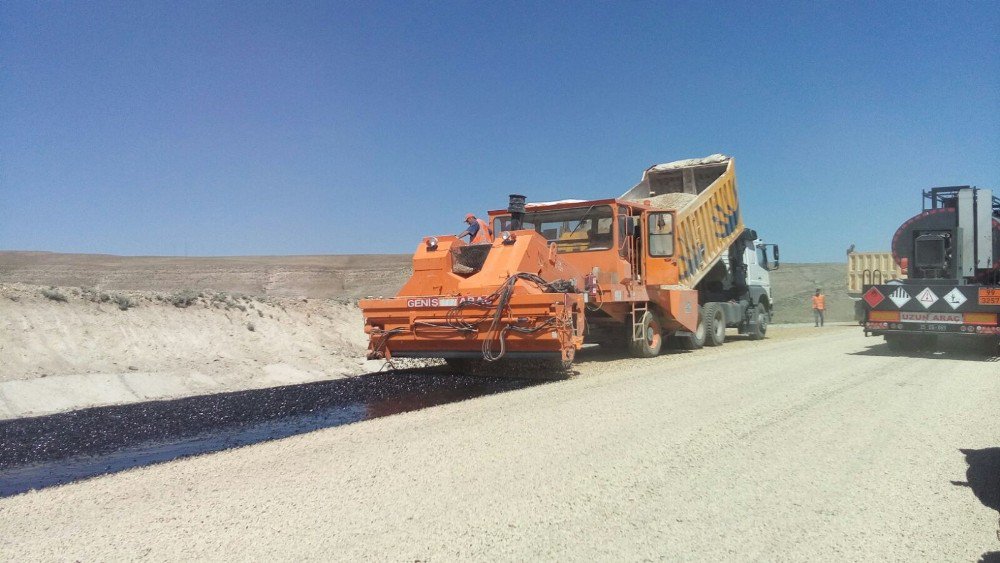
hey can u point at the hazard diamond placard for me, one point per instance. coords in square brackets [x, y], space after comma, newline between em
[927, 297]
[955, 298]
[900, 297]
[873, 297]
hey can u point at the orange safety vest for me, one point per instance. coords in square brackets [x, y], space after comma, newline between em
[484, 235]
[819, 302]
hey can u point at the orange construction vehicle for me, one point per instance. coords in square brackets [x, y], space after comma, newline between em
[669, 259]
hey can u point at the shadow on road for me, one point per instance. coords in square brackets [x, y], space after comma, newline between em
[60, 448]
[983, 477]
[957, 349]
[596, 353]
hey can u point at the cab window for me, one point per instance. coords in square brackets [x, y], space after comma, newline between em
[762, 259]
[572, 230]
[661, 234]
[622, 235]
[501, 224]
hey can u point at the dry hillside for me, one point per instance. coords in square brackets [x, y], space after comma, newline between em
[327, 277]
[344, 276]
[794, 285]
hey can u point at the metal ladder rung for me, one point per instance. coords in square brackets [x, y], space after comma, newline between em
[638, 311]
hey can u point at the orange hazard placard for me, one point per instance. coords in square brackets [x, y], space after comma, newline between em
[988, 296]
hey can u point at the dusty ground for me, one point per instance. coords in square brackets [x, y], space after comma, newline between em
[813, 445]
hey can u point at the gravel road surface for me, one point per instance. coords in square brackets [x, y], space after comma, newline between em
[816, 444]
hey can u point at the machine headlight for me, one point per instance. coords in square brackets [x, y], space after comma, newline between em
[432, 243]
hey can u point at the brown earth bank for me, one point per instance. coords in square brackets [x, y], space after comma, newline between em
[341, 276]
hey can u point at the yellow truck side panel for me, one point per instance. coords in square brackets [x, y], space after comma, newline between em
[707, 219]
[870, 268]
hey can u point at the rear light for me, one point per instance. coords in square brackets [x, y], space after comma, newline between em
[980, 329]
[590, 284]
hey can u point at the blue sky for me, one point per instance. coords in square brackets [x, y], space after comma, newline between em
[214, 128]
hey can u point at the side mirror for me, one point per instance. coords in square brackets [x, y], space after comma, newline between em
[777, 258]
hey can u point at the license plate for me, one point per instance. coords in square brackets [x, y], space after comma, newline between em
[989, 296]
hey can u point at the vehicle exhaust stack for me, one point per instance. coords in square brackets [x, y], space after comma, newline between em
[516, 209]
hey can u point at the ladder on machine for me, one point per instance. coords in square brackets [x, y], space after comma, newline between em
[639, 309]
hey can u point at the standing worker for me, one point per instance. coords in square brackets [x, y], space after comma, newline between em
[819, 305]
[479, 232]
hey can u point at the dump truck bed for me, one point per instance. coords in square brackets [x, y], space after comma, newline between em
[702, 193]
[867, 268]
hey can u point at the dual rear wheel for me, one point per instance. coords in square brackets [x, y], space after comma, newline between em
[711, 329]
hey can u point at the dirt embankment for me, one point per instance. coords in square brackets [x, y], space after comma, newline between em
[63, 347]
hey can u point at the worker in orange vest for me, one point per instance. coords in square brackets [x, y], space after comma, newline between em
[478, 232]
[819, 306]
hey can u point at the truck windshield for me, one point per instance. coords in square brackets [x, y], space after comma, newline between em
[573, 230]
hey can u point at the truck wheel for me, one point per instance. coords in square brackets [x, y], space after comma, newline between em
[649, 346]
[697, 338]
[715, 324]
[762, 318]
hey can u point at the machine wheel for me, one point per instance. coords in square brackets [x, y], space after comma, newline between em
[650, 345]
[715, 324]
[697, 340]
[763, 317]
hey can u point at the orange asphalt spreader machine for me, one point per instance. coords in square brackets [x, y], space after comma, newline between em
[514, 298]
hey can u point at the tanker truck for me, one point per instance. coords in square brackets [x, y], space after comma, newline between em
[668, 260]
[950, 253]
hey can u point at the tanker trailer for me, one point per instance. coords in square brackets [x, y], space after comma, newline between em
[951, 255]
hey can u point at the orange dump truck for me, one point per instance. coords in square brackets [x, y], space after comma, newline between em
[669, 259]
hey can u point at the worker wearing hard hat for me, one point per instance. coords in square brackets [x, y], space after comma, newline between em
[479, 231]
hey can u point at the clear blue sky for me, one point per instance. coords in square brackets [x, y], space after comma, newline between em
[271, 128]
